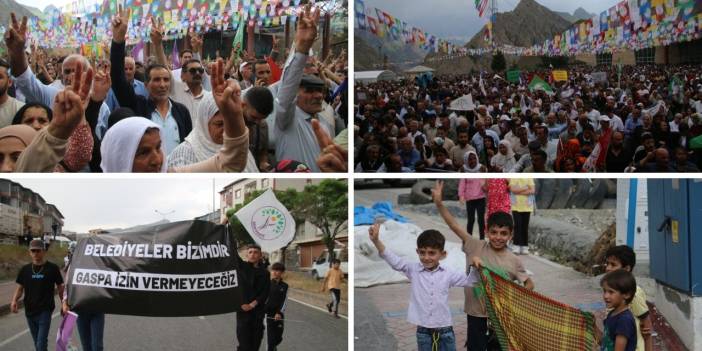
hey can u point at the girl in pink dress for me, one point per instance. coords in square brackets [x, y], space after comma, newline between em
[497, 198]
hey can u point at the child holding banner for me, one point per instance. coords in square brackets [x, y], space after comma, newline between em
[495, 254]
[430, 283]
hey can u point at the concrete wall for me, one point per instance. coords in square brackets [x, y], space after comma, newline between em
[683, 312]
[589, 59]
[626, 57]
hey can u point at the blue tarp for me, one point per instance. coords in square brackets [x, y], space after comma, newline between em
[366, 216]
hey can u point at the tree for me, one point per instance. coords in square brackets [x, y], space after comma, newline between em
[498, 62]
[325, 205]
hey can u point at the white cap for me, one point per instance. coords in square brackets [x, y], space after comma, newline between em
[604, 118]
[505, 118]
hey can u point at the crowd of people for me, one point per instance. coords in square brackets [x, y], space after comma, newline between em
[85, 114]
[639, 118]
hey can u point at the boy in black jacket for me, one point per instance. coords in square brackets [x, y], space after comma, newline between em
[275, 306]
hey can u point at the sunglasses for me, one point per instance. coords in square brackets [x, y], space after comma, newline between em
[198, 70]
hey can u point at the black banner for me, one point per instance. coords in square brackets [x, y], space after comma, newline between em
[187, 268]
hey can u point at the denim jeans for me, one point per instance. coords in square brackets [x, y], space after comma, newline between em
[39, 325]
[444, 338]
[90, 328]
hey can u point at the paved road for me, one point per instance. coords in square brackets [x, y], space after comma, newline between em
[307, 328]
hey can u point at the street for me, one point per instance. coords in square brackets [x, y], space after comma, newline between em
[306, 328]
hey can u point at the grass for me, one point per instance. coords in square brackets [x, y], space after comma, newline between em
[304, 281]
[13, 257]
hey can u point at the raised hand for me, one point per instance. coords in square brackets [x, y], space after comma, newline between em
[374, 232]
[68, 114]
[16, 35]
[102, 82]
[120, 24]
[227, 96]
[437, 192]
[158, 30]
[306, 32]
[333, 157]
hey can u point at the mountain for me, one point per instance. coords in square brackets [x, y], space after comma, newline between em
[582, 14]
[528, 24]
[578, 15]
[367, 53]
[9, 6]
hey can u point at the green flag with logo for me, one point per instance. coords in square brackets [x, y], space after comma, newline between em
[513, 76]
[539, 84]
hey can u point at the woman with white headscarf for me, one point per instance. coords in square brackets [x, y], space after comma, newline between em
[205, 139]
[504, 160]
[471, 163]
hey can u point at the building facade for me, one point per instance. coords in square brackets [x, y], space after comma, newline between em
[24, 211]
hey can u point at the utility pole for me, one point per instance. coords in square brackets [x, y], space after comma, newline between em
[493, 17]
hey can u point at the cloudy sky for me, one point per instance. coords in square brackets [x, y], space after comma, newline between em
[89, 203]
[41, 4]
[458, 20]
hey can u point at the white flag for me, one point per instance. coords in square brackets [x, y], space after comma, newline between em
[268, 222]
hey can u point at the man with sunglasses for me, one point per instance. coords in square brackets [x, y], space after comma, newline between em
[37, 281]
[187, 88]
[189, 91]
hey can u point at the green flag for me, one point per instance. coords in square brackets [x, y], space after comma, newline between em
[513, 76]
[239, 36]
[539, 84]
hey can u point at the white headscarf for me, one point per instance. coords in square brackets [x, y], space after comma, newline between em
[466, 168]
[199, 139]
[120, 144]
[501, 160]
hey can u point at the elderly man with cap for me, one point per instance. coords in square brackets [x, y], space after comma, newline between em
[37, 281]
[298, 101]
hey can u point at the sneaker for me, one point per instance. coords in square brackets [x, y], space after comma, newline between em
[524, 250]
[336, 316]
[329, 306]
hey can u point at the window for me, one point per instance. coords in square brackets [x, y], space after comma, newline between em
[249, 188]
[645, 56]
[238, 194]
[604, 59]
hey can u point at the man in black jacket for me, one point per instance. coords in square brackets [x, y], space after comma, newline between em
[275, 306]
[255, 285]
[173, 118]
